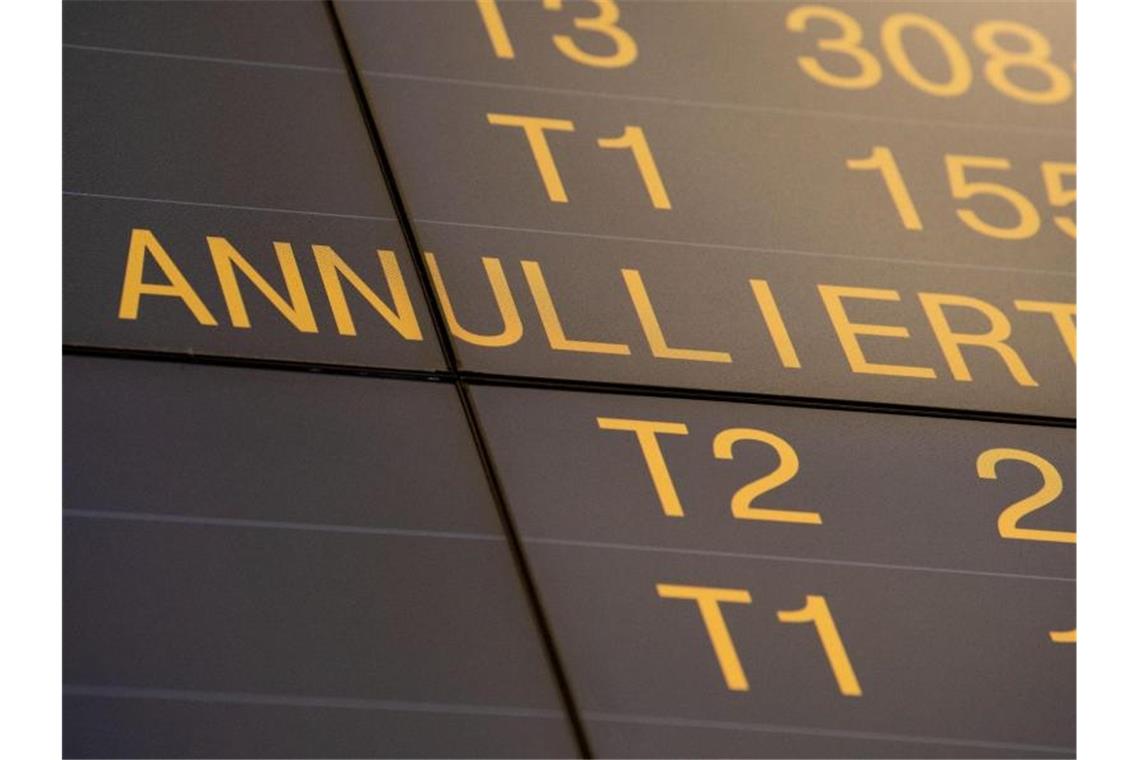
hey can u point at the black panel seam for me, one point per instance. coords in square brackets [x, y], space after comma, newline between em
[468, 378]
[545, 630]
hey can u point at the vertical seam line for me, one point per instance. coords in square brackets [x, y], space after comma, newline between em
[510, 530]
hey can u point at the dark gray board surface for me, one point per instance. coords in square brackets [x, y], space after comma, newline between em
[946, 623]
[266, 563]
[292, 32]
[737, 53]
[253, 135]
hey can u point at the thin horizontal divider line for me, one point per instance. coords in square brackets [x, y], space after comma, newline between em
[290, 700]
[204, 58]
[784, 558]
[725, 106]
[812, 731]
[302, 212]
[563, 233]
[233, 522]
[748, 248]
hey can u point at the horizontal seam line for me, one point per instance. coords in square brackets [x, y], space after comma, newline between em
[784, 558]
[189, 695]
[810, 731]
[539, 382]
[535, 382]
[302, 212]
[721, 105]
[98, 514]
[204, 58]
[755, 249]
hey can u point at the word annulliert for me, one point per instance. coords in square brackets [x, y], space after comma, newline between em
[500, 303]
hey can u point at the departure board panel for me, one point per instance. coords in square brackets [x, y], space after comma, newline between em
[774, 579]
[282, 564]
[221, 194]
[569, 378]
[765, 209]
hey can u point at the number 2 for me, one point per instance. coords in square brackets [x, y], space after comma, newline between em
[742, 508]
[1049, 491]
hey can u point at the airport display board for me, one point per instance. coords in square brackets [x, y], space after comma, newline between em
[605, 378]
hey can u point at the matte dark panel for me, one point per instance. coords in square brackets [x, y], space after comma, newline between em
[891, 489]
[734, 178]
[257, 610]
[269, 445]
[275, 546]
[217, 132]
[947, 624]
[702, 299]
[247, 135]
[731, 53]
[296, 32]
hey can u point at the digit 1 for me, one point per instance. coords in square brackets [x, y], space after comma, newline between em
[883, 161]
[493, 21]
[634, 139]
[816, 611]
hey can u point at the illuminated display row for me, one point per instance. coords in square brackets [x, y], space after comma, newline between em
[1002, 64]
[652, 315]
[621, 168]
